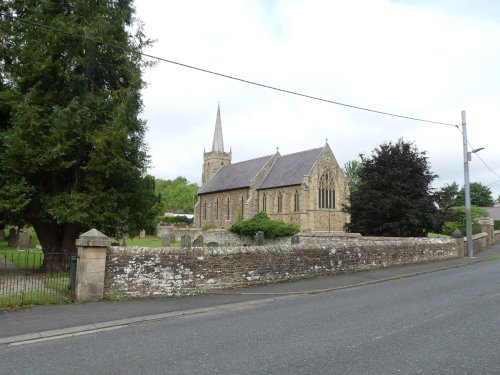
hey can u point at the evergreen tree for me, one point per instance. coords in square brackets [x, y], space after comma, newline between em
[394, 197]
[71, 142]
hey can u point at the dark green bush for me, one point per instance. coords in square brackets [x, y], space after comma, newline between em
[497, 224]
[176, 219]
[262, 222]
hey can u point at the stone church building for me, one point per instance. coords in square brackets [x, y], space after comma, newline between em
[306, 188]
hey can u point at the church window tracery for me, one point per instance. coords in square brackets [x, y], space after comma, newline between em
[326, 191]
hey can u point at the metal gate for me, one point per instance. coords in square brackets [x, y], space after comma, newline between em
[34, 278]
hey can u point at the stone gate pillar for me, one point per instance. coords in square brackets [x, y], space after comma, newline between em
[487, 226]
[91, 265]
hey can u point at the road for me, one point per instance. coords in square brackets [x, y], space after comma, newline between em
[445, 322]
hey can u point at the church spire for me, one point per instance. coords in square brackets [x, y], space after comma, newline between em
[218, 143]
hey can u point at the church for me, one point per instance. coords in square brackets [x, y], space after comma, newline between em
[306, 188]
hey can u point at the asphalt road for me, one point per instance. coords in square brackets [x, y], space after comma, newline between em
[446, 322]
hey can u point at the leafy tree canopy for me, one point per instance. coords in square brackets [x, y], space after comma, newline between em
[71, 142]
[394, 196]
[351, 171]
[480, 195]
[447, 196]
[262, 222]
[177, 195]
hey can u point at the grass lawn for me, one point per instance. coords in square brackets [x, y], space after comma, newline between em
[30, 298]
[148, 241]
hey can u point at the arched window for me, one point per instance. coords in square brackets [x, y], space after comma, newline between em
[280, 202]
[205, 209]
[264, 203]
[296, 201]
[227, 210]
[326, 191]
[217, 209]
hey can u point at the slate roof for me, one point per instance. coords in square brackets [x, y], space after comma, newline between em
[290, 169]
[235, 176]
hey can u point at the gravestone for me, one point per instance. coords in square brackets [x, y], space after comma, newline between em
[212, 244]
[142, 234]
[186, 241]
[259, 236]
[165, 241]
[172, 237]
[295, 240]
[196, 243]
[201, 240]
[13, 238]
[24, 242]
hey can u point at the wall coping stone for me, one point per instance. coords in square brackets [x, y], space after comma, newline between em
[93, 238]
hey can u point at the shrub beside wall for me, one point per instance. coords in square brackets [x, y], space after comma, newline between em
[145, 272]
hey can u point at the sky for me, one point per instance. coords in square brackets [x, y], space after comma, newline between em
[424, 59]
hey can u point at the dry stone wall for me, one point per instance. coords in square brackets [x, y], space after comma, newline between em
[146, 272]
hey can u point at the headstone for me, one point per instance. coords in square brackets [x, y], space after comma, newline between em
[295, 240]
[13, 238]
[186, 241]
[259, 236]
[172, 237]
[165, 241]
[124, 243]
[24, 242]
[196, 243]
[212, 244]
[201, 240]
[142, 234]
[457, 234]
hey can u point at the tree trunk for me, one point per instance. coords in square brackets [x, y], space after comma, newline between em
[58, 242]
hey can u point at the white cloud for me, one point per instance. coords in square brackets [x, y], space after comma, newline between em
[422, 59]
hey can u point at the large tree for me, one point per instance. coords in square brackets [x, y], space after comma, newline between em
[394, 197]
[480, 195]
[351, 172]
[72, 153]
[177, 195]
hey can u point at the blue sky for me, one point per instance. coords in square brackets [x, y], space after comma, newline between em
[425, 59]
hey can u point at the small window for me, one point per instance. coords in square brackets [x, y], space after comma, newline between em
[242, 207]
[217, 209]
[296, 201]
[264, 203]
[280, 202]
[204, 210]
[228, 210]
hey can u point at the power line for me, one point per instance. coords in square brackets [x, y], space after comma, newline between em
[233, 77]
[479, 157]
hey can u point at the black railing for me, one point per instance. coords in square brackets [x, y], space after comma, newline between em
[34, 278]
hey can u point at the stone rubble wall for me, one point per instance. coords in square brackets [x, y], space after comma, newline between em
[146, 272]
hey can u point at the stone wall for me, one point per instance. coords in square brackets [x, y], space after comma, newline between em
[225, 238]
[145, 272]
[496, 236]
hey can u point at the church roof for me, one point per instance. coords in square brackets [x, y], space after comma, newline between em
[290, 169]
[235, 176]
[218, 143]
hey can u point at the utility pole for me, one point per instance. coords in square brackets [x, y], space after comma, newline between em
[468, 214]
